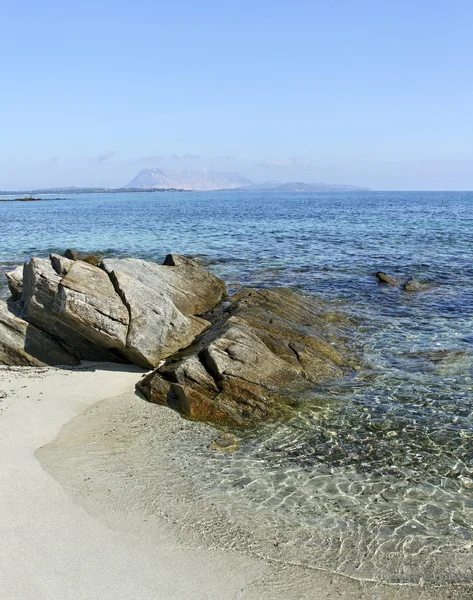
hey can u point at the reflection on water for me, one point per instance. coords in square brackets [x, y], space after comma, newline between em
[374, 476]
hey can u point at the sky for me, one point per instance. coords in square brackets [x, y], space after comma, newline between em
[374, 93]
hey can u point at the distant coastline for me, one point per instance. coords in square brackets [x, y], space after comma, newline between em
[160, 180]
[66, 191]
[21, 195]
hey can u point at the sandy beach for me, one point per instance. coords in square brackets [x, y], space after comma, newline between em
[69, 534]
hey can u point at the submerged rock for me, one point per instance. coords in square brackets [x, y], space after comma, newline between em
[387, 279]
[21, 343]
[413, 285]
[437, 356]
[226, 442]
[410, 285]
[15, 282]
[264, 346]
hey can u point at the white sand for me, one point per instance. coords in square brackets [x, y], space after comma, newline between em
[52, 548]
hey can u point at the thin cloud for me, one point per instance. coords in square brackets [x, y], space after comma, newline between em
[103, 157]
[54, 159]
[292, 161]
[225, 157]
[150, 157]
[185, 156]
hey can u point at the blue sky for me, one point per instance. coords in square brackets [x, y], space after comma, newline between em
[372, 93]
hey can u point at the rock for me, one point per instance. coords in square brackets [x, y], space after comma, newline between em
[15, 282]
[81, 309]
[125, 313]
[92, 259]
[191, 288]
[60, 264]
[466, 482]
[40, 285]
[412, 285]
[87, 299]
[24, 344]
[262, 349]
[157, 328]
[387, 279]
[226, 442]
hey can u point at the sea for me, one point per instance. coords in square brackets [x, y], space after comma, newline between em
[373, 478]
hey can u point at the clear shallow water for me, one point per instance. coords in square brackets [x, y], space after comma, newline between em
[375, 477]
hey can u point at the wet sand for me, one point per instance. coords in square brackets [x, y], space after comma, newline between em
[83, 517]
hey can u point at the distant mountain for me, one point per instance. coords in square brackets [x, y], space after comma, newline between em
[297, 186]
[187, 180]
[158, 180]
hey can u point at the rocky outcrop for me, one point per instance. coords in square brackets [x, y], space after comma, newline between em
[234, 363]
[15, 282]
[263, 349]
[126, 310]
[24, 344]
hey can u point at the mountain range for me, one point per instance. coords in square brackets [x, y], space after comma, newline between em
[206, 180]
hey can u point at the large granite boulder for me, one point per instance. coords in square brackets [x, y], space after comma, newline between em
[24, 344]
[124, 310]
[264, 347]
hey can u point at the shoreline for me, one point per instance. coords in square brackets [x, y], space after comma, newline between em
[75, 537]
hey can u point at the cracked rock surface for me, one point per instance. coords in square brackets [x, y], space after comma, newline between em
[263, 348]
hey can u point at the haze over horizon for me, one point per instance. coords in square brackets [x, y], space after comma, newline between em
[364, 93]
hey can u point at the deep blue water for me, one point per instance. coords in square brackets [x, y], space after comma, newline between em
[405, 423]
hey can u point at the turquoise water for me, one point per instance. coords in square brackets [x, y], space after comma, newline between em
[380, 465]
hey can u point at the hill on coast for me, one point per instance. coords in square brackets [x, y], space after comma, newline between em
[205, 180]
